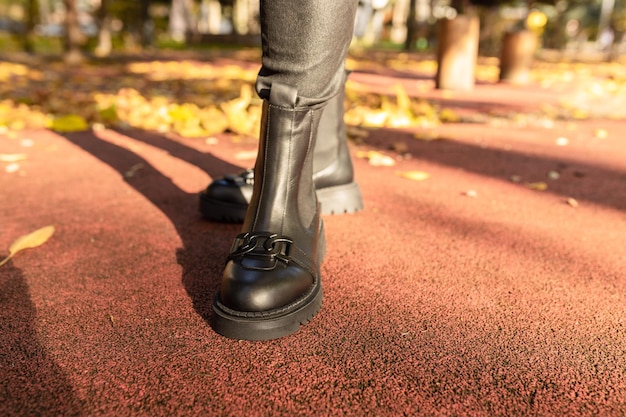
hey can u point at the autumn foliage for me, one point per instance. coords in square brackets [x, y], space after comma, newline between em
[194, 98]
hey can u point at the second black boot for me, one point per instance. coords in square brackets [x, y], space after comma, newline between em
[271, 283]
[226, 199]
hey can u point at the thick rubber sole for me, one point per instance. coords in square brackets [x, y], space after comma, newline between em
[219, 211]
[267, 325]
[340, 199]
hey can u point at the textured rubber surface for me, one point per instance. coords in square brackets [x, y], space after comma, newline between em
[466, 294]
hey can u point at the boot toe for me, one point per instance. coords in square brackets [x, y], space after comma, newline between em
[233, 189]
[255, 291]
[226, 199]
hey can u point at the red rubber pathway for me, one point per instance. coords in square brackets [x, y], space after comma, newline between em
[467, 294]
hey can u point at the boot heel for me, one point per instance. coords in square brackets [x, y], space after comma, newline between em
[321, 245]
[340, 199]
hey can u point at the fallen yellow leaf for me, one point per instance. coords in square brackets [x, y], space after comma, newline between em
[31, 240]
[426, 135]
[414, 175]
[602, 134]
[375, 118]
[554, 175]
[403, 101]
[572, 202]
[376, 158]
[17, 125]
[562, 141]
[69, 123]
[133, 170]
[12, 157]
[580, 114]
[109, 114]
[538, 186]
[237, 114]
[243, 155]
[449, 116]
[12, 167]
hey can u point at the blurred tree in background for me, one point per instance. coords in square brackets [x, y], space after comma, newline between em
[103, 26]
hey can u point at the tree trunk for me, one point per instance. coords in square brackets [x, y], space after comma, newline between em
[410, 26]
[146, 24]
[31, 19]
[457, 52]
[73, 35]
[398, 22]
[43, 8]
[105, 44]
[181, 19]
[516, 57]
[460, 5]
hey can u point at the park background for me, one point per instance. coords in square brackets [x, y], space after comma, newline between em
[485, 275]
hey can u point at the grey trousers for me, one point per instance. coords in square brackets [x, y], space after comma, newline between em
[305, 43]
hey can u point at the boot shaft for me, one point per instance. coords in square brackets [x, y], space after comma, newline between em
[284, 199]
[332, 164]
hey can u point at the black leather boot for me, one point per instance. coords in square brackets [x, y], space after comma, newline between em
[271, 283]
[227, 198]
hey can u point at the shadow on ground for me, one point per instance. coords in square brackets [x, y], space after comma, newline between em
[205, 245]
[31, 382]
[584, 181]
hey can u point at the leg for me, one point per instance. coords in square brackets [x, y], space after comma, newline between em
[304, 45]
[271, 283]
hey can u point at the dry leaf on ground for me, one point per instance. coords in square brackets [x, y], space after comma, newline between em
[427, 135]
[376, 158]
[133, 170]
[414, 175]
[246, 155]
[12, 167]
[562, 141]
[31, 240]
[554, 175]
[12, 157]
[602, 134]
[69, 123]
[572, 202]
[537, 186]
